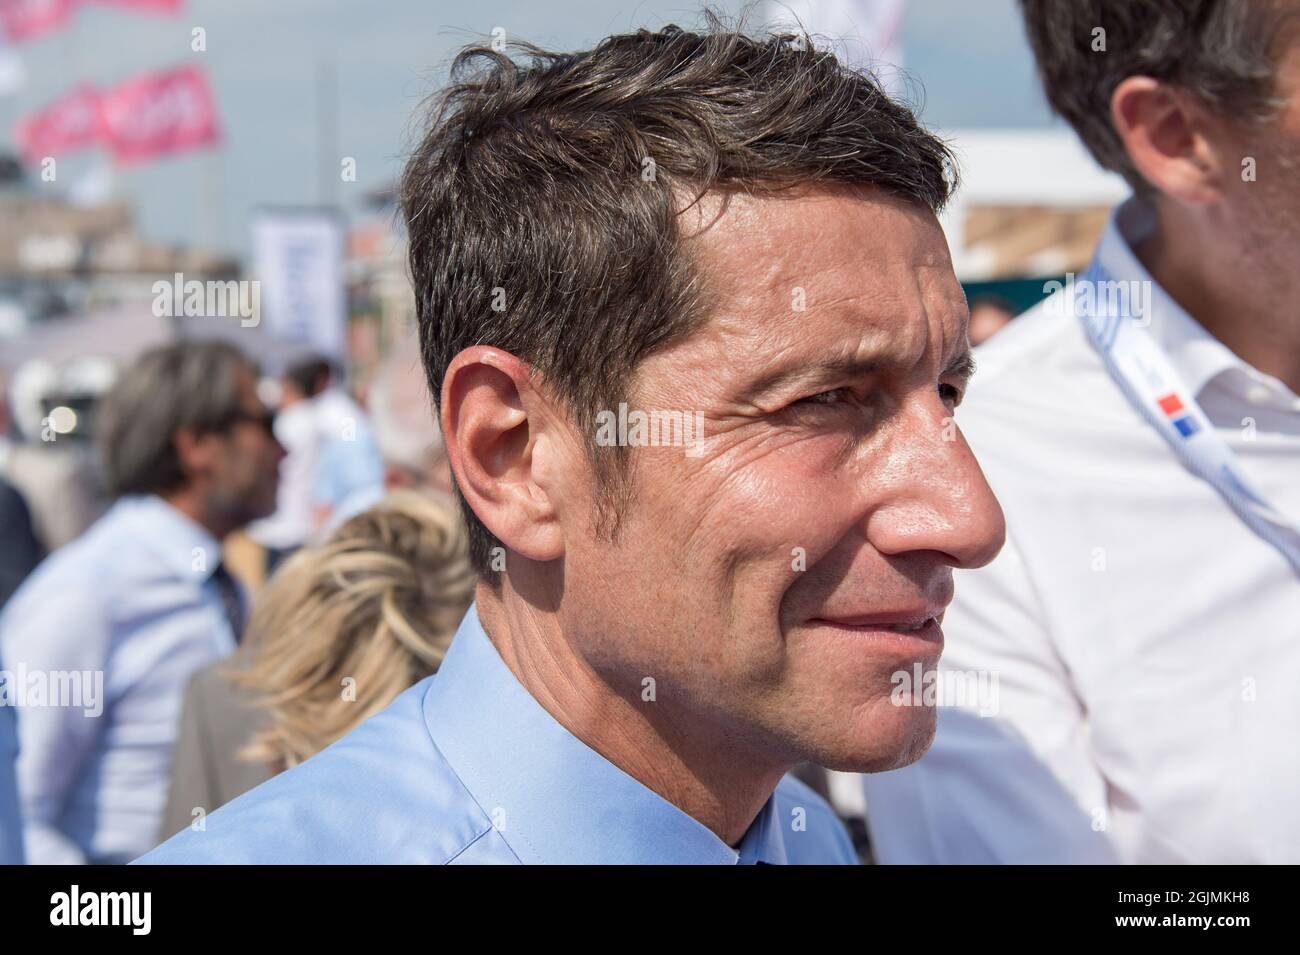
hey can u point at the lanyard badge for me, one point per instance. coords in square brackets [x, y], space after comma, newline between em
[1148, 380]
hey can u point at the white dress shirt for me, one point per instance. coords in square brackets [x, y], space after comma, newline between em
[133, 601]
[350, 470]
[1145, 641]
[293, 523]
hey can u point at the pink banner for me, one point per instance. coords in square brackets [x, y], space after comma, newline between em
[159, 113]
[72, 122]
[24, 20]
[28, 19]
[143, 6]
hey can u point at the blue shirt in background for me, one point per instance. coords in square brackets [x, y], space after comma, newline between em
[11, 829]
[122, 617]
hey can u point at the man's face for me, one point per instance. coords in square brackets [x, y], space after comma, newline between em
[987, 320]
[246, 476]
[765, 583]
[1263, 210]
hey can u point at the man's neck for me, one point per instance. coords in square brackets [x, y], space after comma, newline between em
[1230, 293]
[191, 506]
[700, 773]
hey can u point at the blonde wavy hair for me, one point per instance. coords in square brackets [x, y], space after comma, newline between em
[344, 627]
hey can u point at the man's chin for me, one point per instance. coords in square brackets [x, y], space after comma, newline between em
[250, 512]
[265, 508]
[891, 741]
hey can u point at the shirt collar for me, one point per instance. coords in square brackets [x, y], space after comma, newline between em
[1196, 355]
[186, 548]
[550, 796]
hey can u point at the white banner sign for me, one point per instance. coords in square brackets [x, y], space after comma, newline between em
[298, 258]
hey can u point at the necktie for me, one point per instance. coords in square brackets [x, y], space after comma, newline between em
[231, 599]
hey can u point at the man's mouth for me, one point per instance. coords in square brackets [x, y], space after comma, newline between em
[917, 623]
[904, 620]
[907, 627]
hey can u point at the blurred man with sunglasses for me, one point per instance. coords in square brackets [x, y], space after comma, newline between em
[109, 629]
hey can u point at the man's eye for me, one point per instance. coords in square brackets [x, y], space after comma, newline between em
[950, 394]
[833, 397]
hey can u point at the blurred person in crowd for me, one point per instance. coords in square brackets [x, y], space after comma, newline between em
[989, 314]
[20, 550]
[405, 424]
[7, 426]
[296, 428]
[62, 486]
[217, 718]
[350, 474]
[341, 629]
[139, 602]
[1142, 428]
[11, 826]
[663, 629]
[57, 475]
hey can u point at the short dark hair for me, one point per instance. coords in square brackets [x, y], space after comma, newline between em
[311, 374]
[992, 300]
[552, 183]
[183, 385]
[1220, 50]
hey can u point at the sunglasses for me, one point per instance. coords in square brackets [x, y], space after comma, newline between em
[264, 418]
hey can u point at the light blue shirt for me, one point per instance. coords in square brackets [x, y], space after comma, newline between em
[350, 470]
[108, 630]
[11, 829]
[467, 767]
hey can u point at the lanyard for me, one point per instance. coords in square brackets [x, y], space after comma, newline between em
[1148, 380]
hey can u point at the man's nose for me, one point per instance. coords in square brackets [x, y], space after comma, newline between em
[934, 495]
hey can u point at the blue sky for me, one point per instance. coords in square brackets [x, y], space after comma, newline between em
[969, 57]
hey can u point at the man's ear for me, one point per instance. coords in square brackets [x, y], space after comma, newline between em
[497, 428]
[1167, 133]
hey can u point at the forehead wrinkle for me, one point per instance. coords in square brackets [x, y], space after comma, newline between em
[939, 307]
[879, 325]
[874, 352]
[870, 308]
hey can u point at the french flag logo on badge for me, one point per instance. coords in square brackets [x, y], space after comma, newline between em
[1177, 414]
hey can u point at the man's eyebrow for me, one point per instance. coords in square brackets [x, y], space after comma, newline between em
[853, 366]
[963, 366]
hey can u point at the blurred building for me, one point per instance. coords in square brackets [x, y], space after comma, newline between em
[1031, 206]
[381, 302]
[61, 257]
[77, 304]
